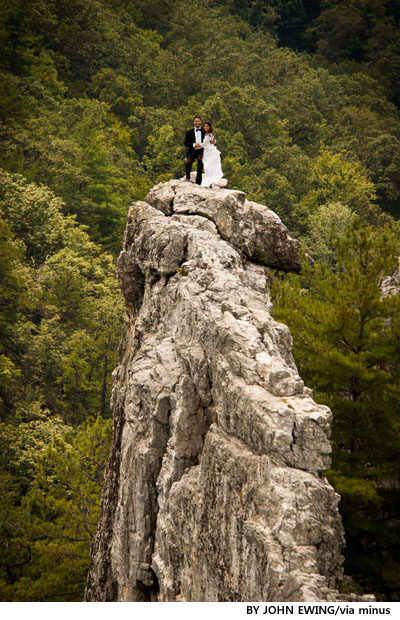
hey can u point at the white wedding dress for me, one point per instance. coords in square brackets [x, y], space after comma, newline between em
[211, 161]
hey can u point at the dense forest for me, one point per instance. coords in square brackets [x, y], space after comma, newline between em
[95, 97]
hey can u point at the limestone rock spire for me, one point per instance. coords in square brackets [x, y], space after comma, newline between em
[215, 489]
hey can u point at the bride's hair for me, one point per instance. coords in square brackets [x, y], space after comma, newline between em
[208, 123]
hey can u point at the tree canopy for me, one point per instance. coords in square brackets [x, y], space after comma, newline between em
[95, 97]
[347, 345]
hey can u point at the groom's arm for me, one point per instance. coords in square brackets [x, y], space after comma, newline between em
[189, 139]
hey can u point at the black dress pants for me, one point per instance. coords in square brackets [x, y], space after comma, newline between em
[191, 156]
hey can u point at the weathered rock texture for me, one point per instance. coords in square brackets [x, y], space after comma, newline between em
[215, 489]
[390, 285]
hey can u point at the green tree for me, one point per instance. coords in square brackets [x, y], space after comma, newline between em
[35, 216]
[65, 311]
[118, 91]
[164, 154]
[13, 294]
[325, 225]
[84, 154]
[340, 31]
[46, 535]
[335, 179]
[95, 97]
[347, 347]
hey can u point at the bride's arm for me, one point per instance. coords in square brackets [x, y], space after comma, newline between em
[206, 140]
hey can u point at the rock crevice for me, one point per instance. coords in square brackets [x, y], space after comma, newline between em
[215, 489]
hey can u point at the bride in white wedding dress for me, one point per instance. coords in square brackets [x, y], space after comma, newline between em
[211, 158]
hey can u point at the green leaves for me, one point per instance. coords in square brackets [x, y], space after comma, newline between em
[95, 98]
[346, 337]
[63, 310]
[163, 150]
[35, 215]
[45, 539]
[335, 179]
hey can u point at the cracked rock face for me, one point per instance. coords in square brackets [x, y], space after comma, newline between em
[215, 488]
[390, 285]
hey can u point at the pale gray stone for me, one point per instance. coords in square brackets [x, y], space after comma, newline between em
[390, 285]
[252, 228]
[215, 489]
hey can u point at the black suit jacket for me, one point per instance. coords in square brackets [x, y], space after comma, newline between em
[190, 140]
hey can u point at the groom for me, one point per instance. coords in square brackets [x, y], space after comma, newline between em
[193, 139]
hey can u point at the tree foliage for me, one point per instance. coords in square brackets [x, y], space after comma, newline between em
[347, 347]
[45, 535]
[63, 314]
[95, 97]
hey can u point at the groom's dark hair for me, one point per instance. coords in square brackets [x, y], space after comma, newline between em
[197, 116]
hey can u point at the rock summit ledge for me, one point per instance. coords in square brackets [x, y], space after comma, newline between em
[215, 488]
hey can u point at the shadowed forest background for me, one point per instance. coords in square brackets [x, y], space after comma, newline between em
[95, 97]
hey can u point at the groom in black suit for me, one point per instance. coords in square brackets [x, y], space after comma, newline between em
[193, 139]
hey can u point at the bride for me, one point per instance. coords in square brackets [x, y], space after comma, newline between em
[211, 158]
